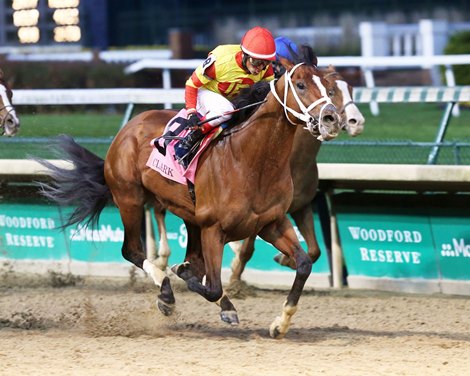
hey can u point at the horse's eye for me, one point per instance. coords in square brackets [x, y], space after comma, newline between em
[331, 93]
[300, 85]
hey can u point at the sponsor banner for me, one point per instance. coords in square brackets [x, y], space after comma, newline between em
[262, 257]
[31, 231]
[387, 245]
[100, 244]
[452, 240]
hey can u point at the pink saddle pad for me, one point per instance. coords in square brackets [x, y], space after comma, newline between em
[165, 163]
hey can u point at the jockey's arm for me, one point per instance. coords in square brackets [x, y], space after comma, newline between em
[201, 76]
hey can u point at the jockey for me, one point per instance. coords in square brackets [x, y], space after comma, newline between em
[227, 70]
[285, 50]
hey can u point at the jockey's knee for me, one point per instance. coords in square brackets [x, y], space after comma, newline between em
[222, 119]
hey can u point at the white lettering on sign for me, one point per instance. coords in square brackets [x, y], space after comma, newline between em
[30, 241]
[390, 256]
[458, 248]
[183, 237]
[103, 234]
[37, 223]
[381, 235]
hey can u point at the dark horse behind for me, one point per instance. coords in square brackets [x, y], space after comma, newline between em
[243, 186]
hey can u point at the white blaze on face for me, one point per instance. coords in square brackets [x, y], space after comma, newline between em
[320, 86]
[6, 103]
[327, 101]
[354, 118]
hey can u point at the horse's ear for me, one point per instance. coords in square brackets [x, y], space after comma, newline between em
[315, 60]
[308, 54]
[286, 63]
[330, 69]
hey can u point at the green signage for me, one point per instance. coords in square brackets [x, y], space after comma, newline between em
[31, 231]
[387, 245]
[100, 244]
[452, 240]
[262, 258]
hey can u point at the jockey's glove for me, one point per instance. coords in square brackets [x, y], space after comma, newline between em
[193, 121]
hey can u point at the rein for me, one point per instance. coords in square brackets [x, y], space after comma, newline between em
[305, 117]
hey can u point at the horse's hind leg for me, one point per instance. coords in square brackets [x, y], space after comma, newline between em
[160, 257]
[242, 255]
[281, 234]
[303, 218]
[132, 212]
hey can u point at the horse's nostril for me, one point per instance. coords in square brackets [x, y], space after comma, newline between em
[328, 119]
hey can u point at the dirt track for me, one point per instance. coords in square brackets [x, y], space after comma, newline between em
[111, 327]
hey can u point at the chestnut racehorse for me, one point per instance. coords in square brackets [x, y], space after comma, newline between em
[9, 122]
[304, 171]
[243, 186]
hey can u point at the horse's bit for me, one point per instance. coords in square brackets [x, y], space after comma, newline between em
[310, 122]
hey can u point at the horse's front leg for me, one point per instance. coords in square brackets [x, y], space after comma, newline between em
[204, 259]
[281, 235]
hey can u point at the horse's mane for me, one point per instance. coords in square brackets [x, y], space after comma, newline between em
[249, 95]
[260, 90]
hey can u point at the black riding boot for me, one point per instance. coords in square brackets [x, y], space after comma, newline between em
[184, 146]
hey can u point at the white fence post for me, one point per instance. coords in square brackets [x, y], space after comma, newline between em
[434, 36]
[166, 75]
[374, 39]
[374, 42]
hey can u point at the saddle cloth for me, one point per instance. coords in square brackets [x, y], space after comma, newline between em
[162, 158]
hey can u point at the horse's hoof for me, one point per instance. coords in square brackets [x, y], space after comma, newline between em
[165, 308]
[275, 329]
[182, 270]
[230, 317]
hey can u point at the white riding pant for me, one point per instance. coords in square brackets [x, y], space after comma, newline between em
[210, 104]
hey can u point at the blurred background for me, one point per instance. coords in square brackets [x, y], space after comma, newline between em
[93, 44]
[107, 24]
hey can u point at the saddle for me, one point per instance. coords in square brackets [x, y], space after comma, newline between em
[162, 159]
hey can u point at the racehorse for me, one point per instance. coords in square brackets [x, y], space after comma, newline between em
[304, 171]
[9, 122]
[305, 178]
[243, 186]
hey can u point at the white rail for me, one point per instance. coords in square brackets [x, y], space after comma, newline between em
[176, 96]
[366, 64]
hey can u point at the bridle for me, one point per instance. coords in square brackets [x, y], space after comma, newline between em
[311, 124]
[8, 108]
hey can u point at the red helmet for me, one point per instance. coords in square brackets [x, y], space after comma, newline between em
[258, 42]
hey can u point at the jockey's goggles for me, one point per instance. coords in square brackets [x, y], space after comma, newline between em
[259, 63]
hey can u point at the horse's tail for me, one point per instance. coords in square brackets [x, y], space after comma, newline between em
[83, 186]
